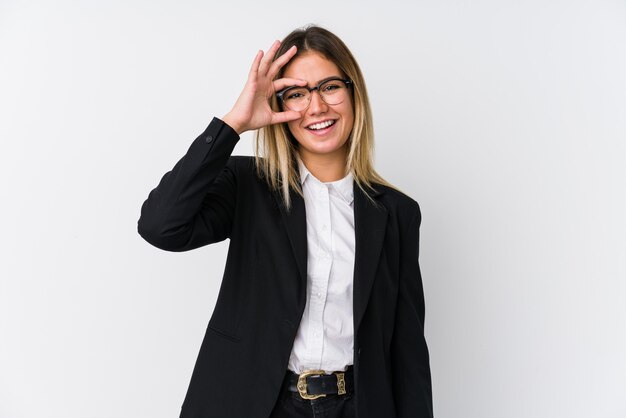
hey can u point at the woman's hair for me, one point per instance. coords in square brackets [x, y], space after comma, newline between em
[275, 147]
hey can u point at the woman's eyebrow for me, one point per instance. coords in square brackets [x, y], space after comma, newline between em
[327, 78]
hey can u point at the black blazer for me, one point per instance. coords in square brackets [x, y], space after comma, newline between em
[209, 196]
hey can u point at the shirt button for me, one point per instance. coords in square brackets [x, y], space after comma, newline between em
[319, 295]
[209, 139]
[323, 227]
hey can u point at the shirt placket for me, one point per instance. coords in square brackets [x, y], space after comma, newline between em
[319, 284]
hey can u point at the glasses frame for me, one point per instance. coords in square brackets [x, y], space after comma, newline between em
[349, 83]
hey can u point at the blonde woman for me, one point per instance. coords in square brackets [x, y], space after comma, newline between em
[321, 308]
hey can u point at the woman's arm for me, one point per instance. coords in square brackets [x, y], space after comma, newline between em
[194, 203]
[409, 353]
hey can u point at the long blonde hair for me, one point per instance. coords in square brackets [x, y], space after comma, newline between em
[275, 147]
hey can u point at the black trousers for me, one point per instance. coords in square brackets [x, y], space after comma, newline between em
[291, 405]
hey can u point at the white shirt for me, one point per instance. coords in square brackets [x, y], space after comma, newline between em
[325, 338]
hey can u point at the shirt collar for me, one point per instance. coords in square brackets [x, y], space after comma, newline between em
[343, 186]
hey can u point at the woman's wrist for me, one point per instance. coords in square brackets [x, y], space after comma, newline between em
[227, 119]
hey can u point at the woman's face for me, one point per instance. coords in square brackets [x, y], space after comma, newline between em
[313, 68]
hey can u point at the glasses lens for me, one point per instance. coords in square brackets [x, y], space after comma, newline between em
[296, 98]
[334, 91]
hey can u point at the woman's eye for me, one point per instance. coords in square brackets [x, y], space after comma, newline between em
[331, 87]
[295, 95]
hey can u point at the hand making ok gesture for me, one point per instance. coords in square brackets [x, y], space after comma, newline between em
[252, 109]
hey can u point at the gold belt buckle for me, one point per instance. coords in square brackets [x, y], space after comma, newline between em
[302, 384]
[302, 388]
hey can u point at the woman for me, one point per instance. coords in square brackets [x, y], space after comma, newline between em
[321, 310]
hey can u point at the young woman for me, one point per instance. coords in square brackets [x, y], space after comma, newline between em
[321, 308]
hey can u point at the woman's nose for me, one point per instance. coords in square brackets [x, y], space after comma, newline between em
[317, 105]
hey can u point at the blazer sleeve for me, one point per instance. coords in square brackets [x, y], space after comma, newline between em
[194, 203]
[409, 353]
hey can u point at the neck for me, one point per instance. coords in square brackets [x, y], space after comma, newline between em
[325, 167]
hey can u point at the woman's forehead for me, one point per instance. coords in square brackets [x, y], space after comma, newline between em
[312, 67]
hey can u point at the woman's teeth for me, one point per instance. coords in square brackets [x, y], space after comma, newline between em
[321, 125]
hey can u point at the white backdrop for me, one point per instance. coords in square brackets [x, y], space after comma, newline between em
[506, 120]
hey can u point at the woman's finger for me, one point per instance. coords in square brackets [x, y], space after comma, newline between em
[286, 116]
[282, 83]
[254, 70]
[281, 61]
[267, 59]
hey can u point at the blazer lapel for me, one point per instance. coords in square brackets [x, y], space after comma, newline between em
[369, 223]
[295, 223]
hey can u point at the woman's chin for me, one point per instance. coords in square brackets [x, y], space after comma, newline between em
[322, 147]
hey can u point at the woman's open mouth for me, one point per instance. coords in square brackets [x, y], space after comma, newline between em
[321, 128]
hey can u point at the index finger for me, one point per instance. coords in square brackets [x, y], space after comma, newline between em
[282, 83]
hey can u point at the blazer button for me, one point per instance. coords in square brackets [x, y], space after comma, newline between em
[209, 139]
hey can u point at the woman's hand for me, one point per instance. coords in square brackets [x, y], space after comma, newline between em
[252, 109]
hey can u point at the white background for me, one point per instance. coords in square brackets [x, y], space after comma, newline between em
[506, 120]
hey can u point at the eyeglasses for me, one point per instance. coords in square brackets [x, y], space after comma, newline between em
[333, 91]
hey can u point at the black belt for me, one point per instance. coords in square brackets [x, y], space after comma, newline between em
[312, 384]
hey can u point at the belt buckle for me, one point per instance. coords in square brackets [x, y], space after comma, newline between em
[302, 387]
[302, 384]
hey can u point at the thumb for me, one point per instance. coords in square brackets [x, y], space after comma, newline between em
[286, 116]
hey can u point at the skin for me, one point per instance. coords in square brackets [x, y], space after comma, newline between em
[324, 155]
